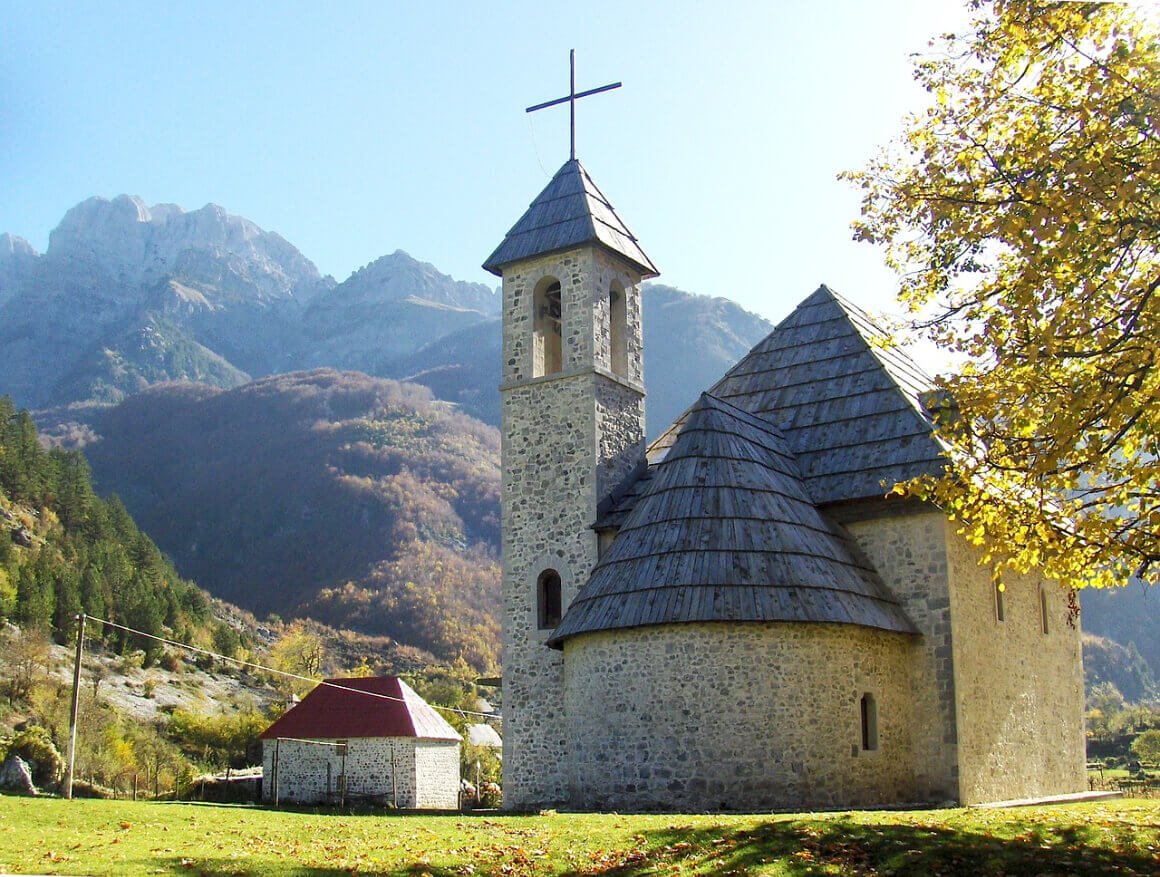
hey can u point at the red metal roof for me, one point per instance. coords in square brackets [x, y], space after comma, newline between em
[376, 706]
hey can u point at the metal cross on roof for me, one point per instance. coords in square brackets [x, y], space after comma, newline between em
[572, 97]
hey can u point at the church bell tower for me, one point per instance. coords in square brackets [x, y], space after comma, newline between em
[572, 430]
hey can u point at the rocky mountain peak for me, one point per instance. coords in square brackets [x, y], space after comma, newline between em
[17, 257]
[399, 276]
[131, 242]
[13, 248]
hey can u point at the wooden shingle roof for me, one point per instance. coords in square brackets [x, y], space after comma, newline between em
[847, 404]
[373, 706]
[723, 529]
[570, 212]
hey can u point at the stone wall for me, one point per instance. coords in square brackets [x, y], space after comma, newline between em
[380, 768]
[1019, 690]
[907, 545]
[567, 438]
[436, 775]
[619, 434]
[998, 705]
[738, 716]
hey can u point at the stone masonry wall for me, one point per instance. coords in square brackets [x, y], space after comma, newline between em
[607, 272]
[738, 716]
[436, 775]
[566, 438]
[376, 767]
[1020, 691]
[909, 552]
[620, 434]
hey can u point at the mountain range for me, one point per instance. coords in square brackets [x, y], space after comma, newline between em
[128, 295]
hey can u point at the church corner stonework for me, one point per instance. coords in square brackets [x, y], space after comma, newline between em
[1018, 684]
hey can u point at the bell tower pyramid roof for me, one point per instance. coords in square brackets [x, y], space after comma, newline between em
[570, 212]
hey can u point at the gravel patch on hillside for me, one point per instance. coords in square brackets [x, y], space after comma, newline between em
[142, 694]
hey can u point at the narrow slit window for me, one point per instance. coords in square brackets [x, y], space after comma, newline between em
[617, 331]
[549, 605]
[1000, 609]
[1043, 611]
[869, 710]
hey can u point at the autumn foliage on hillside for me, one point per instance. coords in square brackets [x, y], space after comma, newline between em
[359, 501]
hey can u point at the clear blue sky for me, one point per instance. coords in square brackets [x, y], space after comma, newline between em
[357, 128]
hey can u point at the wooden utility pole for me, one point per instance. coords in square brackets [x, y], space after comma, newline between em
[76, 702]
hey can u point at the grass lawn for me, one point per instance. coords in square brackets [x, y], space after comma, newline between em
[48, 836]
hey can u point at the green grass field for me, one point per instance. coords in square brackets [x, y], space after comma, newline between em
[48, 836]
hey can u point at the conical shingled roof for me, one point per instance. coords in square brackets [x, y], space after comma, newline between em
[847, 404]
[570, 212]
[724, 530]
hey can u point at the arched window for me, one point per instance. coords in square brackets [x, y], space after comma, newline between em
[547, 328]
[617, 330]
[869, 723]
[548, 603]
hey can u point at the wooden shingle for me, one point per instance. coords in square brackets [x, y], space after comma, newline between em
[846, 401]
[726, 526]
[570, 212]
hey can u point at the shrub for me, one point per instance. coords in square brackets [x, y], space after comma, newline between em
[169, 661]
[1146, 747]
[35, 746]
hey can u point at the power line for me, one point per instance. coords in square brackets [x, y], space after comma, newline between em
[251, 665]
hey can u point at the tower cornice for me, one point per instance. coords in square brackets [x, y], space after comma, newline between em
[572, 374]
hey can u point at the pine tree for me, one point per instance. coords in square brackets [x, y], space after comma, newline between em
[34, 596]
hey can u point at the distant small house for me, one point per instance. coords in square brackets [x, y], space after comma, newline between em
[483, 734]
[368, 739]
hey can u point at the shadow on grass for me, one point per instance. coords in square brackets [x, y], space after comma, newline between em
[845, 846]
[225, 867]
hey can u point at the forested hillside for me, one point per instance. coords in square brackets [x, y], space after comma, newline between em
[1106, 662]
[64, 550]
[359, 501]
[1128, 615]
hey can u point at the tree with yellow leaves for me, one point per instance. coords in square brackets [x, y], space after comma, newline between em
[1022, 212]
[301, 652]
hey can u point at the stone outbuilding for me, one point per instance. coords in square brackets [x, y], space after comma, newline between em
[741, 616]
[371, 740]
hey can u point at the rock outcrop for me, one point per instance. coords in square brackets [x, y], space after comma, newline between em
[16, 776]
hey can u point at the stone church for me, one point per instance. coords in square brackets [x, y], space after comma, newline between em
[739, 616]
